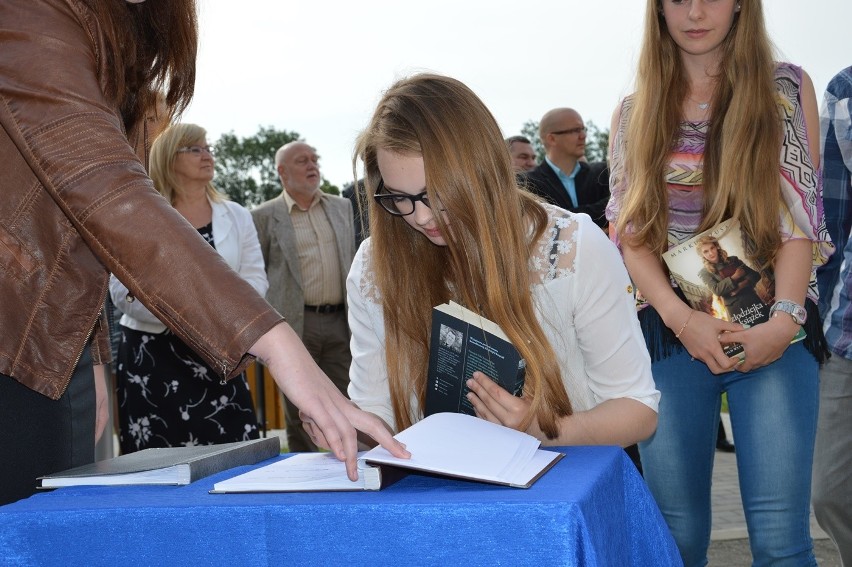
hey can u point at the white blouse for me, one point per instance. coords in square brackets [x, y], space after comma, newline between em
[235, 239]
[584, 303]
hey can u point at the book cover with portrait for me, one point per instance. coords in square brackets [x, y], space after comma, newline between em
[717, 276]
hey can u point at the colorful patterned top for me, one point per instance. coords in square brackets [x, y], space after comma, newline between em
[800, 182]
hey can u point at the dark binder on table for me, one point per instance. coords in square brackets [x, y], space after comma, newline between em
[463, 342]
[169, 465]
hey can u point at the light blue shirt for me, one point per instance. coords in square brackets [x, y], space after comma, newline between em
[567, 180]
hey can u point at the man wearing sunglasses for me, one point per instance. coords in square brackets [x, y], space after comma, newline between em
[564, 178]
[308, 242]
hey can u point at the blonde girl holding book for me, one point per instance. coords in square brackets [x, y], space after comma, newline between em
[717, 129]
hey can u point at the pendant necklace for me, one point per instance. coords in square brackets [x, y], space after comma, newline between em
[701, 105]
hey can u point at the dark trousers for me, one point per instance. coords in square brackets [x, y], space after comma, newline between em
[40, 436]
[633, 452]
[326, 336]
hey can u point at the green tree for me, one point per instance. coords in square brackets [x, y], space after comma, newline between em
[327, 187]
[245, 167]
[597, 141]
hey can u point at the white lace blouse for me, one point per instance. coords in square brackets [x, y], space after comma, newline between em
[584, 302]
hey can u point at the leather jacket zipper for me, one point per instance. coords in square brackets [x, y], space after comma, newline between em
[80, 354]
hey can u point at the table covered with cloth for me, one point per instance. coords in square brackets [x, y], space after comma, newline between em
[592, 508]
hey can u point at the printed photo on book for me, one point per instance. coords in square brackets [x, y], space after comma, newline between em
[451, 338]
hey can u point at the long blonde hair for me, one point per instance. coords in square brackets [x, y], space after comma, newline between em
[485, 264]
[743, 143]
[164, 152]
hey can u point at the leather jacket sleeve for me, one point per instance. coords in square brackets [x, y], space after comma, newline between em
[63, 138]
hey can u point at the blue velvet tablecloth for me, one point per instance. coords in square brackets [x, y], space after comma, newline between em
[592, 508]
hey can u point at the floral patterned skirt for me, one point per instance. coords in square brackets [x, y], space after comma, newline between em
[169, 397]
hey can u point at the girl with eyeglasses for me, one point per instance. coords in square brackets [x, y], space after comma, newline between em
[448, 222]
[717, 129]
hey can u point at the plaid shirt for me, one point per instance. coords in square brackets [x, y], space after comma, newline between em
[835, 277]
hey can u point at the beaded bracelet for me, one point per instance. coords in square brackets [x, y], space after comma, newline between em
[685, 323]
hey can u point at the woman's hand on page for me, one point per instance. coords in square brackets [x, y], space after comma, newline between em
[314, 432]
[364, 440]
[495, 404]
[319, 400]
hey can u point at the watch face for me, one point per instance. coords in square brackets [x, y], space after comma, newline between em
[797, 312]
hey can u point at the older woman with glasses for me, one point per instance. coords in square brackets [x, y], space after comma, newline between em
[448, 222]
[167, 395]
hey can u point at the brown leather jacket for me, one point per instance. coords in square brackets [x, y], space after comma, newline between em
[76, 204]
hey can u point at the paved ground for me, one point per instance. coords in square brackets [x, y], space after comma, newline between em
[729, 538]
[735, 553]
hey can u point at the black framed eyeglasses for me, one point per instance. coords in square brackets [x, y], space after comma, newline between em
[399, 204]
[572, 131]
[195, 150]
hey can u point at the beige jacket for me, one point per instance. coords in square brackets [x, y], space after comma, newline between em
[278, 244]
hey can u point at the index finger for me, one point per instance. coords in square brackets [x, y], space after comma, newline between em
[484, 388]
[728, 327]
[340, 434]
[375, 428]
[498, 401]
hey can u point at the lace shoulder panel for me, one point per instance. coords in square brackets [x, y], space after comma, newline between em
[361, 269]
[555, 254]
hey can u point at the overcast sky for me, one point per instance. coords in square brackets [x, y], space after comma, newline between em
[318, 68]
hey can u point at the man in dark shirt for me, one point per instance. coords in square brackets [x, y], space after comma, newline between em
[564, 178]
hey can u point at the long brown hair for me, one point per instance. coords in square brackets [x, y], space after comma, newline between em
[743, 143]
[485, 264]
[151, 46]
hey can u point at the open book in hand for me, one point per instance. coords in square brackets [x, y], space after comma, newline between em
[463, 342]
[448, 444]
[716, 276]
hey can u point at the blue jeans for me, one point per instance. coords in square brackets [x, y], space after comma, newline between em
[773, 415]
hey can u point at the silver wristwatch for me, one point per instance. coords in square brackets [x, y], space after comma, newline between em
[796, 311]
